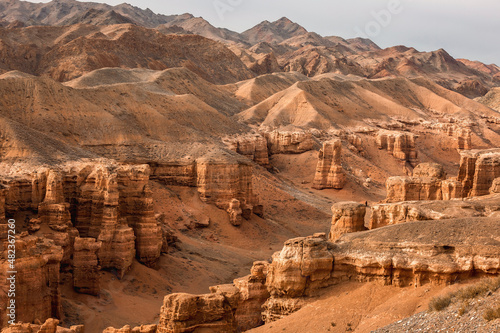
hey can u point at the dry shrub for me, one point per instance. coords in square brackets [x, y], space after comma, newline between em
[471, 292]
[492, 314]
[440, 303]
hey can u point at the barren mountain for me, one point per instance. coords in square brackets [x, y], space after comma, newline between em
[273, 32]
[63, 12]
[65, 53]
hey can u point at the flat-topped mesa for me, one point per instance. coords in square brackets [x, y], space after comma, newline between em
[347, 217]
[329, 171]
[288, 142]
[478, 170]
[228, 308]
[37, 280]
[86, 266]
[253, 147]
[399, 144]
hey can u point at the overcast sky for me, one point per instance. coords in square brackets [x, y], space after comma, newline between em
[465, 28]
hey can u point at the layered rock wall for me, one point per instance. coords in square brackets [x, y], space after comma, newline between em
[288, 142]
[478, 170]
[228, 308]
[329, 171]
[86, 266]
[37, 293]
[347, 217]
[401, 145]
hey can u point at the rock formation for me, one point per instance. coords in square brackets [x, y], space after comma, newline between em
[401, 212]
[221, 179]
[128, 329]
[413, 189]
[478, 170]
[252, 146]
[429, 170]
[399, 144]
[329, 172]
[37, 280]
[235, 212]
[452, 189]
[495, 186]
[444, 252]
[136, 206]
[347, 217]
[289, 142]
[228, 308]
[86, 266]
[50, 326]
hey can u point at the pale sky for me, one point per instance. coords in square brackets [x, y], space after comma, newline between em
[465, 28]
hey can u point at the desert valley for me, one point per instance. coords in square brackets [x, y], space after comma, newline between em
[162, 175]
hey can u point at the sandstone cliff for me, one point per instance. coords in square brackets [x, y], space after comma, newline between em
[347, 217]
[329, 171]
[445, 251]
[401, 145]
[228, 308]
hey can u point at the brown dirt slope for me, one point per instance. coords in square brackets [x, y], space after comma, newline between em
[65, 53]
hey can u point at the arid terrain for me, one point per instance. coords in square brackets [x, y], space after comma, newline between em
[167, 176]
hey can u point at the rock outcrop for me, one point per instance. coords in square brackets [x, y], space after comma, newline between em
[329, 171]
[37, 280]
[136, 206]
[288, 142]
[86, 266]
[401, 145]
[235, 212]
[429, 170]
[347, 217]
[228, 308]
[478, 170]
[444, 252]
[413, 189]
[253, 147]
[401, 212]
[495, 186]
[50, 326]
[128, 329]
[220, 179]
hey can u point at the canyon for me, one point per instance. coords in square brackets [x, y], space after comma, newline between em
[165, 175]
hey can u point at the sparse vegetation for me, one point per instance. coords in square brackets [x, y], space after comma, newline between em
[471, 292]
[440, 303]
[492, 314]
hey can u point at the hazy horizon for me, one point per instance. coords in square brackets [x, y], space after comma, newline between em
[462, 28]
